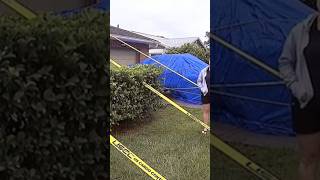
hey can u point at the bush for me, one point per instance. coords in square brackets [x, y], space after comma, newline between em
[194, 49]
[53, 97]
[130, 100]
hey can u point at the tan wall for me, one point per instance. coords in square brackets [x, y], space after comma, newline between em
[142, 47]
[145, 50]
[47, 5]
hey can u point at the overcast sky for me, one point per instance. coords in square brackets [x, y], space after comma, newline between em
[169, 18]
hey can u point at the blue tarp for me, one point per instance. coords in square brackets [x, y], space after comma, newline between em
[258, 27]
[185, 64]
[102, 5]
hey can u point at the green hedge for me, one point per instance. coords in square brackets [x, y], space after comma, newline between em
[130, 100]
[191, 48]
[53, 99]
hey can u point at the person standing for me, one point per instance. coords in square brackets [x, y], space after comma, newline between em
[299, 66]
[204, 84]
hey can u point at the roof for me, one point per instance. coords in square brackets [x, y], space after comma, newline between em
[172, 42]
[130, 36]
[177, 42]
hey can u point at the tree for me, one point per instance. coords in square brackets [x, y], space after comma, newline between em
[192, 48]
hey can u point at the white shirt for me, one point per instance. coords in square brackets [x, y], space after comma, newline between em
[202, 80]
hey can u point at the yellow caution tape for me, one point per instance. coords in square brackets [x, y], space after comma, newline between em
[19, 8]
[114, 63]
[135, 159]
[217, 143]
[168, 100]
[241, 159]
[176, 105]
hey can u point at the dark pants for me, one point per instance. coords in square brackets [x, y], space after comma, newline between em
[307, 120]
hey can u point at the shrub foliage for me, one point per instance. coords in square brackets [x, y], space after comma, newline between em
[130, 100]
[192, 48]
[53, 97]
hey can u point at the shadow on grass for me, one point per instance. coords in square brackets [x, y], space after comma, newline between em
[127, 126]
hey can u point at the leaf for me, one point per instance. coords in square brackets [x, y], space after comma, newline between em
[83, 66]
[45, 70]
[18, 95]
[73, 80]
[49, 95]
[13, 71]
[39, 107]
[9, 56]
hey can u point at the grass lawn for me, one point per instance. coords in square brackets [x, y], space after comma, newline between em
[171, 143]
[280, 162]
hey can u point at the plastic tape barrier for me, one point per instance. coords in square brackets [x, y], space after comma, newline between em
[216, 142]
[19, 8]
[241, 159]
[135, 159]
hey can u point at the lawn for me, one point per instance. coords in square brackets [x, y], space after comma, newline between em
[281, 162]
[171, 143]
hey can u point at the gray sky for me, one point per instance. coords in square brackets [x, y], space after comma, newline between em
[169, 18]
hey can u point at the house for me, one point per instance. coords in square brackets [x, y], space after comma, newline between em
[125, 55]
[41, 6]
[166, 43]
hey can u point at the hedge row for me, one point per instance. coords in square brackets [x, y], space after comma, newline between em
[130, 100]
[191, 48]
[53, 100]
